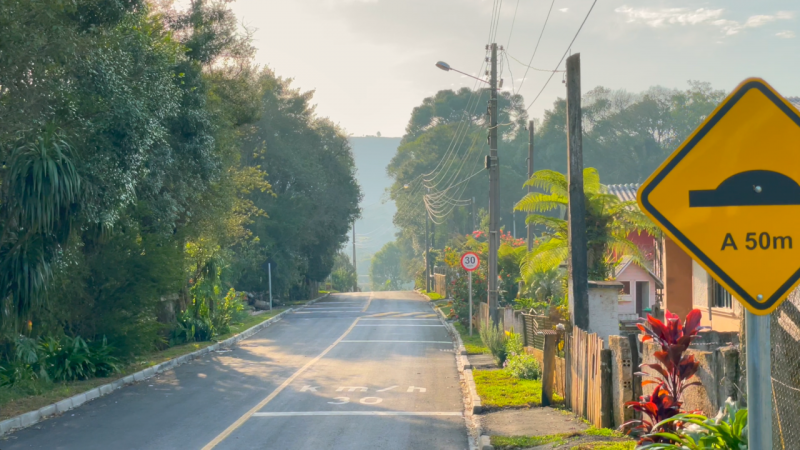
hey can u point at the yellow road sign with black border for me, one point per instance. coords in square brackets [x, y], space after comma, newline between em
[730, 196]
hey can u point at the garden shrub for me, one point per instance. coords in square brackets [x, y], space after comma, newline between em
[495, 340]
[523, 366]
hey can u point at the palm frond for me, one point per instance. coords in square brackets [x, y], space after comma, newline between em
[550, 181]
[535, 202]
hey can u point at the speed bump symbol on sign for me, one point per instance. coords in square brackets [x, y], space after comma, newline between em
[730, 196]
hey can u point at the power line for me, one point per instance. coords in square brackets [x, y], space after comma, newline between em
[508, 43]
[537, 46]
[530, 67]
[563, 56]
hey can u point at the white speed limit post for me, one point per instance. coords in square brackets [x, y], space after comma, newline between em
[469, 262]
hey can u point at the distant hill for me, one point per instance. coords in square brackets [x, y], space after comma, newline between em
[375, 228]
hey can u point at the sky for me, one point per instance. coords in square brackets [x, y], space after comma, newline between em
[370, 62]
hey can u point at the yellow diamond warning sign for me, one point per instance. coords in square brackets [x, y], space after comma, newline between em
[730, 196]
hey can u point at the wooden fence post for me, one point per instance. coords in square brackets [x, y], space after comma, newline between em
[606, 394]
[548, 369]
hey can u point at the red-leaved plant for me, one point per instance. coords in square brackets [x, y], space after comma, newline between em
[674, 370]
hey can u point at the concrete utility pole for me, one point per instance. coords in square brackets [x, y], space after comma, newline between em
[494, 190]
[474, 225]
[355, 267]
[427, 252]
[530, 174]
[578, 245]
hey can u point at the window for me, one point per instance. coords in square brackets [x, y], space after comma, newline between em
[720, 298]
[626, 288]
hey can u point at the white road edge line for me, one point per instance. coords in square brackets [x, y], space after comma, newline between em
[402, 318]
[355, 413]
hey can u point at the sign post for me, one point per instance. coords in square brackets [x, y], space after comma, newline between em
[469, 262]
[730, 198]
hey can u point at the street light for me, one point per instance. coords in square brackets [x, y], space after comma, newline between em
[446, 67]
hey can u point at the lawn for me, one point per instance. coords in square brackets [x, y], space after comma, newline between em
[617, 441]
[498, 389]
[22, 399]
[473, 344]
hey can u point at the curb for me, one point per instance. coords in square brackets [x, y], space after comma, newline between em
[473, 405]
[33, 417]
[486, 443]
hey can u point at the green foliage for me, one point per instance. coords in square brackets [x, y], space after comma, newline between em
[495, 340]
[523, 366]
[343, 277]
[726, 431]
[609, 222]
[386, 270]
[52, 359]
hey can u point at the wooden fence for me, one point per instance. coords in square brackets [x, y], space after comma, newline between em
[440, 284]
[588, 377]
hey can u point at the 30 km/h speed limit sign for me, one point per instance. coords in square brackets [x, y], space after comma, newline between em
[470, 261]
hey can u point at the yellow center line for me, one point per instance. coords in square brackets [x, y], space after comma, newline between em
[274, 393]
[368, 302]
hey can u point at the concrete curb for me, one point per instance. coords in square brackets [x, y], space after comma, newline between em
[486, 443]
[472, 402]
[33, 417]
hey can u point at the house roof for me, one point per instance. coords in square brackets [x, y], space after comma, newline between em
[624, 192]
[626, 261]
[795, 101]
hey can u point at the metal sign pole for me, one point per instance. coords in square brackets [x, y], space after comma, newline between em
[759, 381]
[470, 302]
[269, 273]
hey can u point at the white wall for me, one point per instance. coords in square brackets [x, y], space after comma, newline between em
[603, 308]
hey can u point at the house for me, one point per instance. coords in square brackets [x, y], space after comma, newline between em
[642, 286]
[639, 290]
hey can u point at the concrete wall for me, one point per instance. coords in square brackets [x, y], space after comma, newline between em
[718, 373]
[603, 308]
[677, 279]
[719, 319]
[622, 379]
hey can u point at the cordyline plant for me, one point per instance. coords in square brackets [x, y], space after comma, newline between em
[674, 371]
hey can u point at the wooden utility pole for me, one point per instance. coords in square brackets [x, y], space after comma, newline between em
[578, 245]
[494, 191]
[530, 174]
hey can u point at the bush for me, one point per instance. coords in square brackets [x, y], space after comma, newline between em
[51, 359]
[461, 296]
[495, 340]
[523, 366]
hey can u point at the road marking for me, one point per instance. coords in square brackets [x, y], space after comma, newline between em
[342, 402]
[308, 388]
[372, 400]
[368, 302]
[352, 388]
[416, 342]
[325, 311]
[397, 325]
[389, 318]
[355, 413]
[387, 389]
[331, 303]
[241, 420]
[411, 389]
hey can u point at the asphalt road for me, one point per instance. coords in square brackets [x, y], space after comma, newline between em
[356, 371]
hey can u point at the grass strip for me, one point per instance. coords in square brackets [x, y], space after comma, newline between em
[498, 389]
[473, 344]
[560, 439]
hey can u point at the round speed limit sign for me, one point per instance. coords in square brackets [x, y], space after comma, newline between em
[470, 261]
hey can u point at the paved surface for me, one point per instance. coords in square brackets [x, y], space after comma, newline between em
[356, 371]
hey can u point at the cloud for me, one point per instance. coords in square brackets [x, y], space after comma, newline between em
[657, 18]
[564, 10]
[786, 34]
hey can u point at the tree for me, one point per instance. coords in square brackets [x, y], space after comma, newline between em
[609, 223]
[343, 275]
[386, 270]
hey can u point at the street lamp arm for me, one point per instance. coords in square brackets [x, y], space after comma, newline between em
[476, 78]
